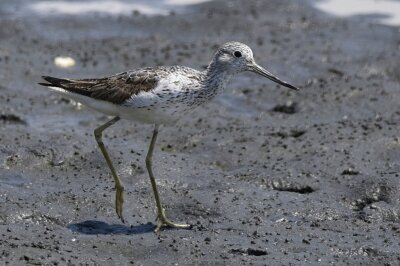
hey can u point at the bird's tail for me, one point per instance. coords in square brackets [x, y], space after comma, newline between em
[54, 82]
[69, 85]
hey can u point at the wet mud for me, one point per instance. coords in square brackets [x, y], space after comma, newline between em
[265, 175]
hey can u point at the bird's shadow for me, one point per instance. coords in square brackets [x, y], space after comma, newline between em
[92, 227]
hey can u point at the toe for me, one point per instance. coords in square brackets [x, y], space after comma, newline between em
[119, 202]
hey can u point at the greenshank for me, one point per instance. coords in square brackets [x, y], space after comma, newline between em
[159, 96]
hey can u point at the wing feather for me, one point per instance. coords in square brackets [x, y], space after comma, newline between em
[116, 89]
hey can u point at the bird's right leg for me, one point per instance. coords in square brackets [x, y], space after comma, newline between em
[162, 220]
[119, 200]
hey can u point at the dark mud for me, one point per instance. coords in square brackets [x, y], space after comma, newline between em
[266, 176]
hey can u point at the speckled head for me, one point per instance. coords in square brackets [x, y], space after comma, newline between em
[236, 57]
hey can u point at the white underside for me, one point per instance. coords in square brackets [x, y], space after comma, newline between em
[153, 116]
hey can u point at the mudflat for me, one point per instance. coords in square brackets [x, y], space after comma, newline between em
[265, 175]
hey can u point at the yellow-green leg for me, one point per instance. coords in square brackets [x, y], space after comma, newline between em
[161, 217]
[119, 199]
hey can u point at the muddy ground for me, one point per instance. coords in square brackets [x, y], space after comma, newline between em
[266, 176]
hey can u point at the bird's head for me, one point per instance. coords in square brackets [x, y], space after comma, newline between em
[236, 57]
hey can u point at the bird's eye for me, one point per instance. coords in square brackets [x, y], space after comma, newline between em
[237, 54]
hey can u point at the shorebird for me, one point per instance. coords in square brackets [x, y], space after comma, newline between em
[160, 96]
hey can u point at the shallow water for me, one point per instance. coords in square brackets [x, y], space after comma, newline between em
[152, 7]
[387, 12]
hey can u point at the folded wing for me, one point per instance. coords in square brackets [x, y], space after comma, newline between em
[115, 89]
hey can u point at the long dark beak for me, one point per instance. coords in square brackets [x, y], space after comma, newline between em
[263, 72]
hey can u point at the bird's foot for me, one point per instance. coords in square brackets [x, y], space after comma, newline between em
[162, 221]
[119, 201]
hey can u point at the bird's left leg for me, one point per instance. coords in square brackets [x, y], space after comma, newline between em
[119, 198]
[162, 220]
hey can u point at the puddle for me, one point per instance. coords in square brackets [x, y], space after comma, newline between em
[14, 180]
[387, 10]
[155, 7]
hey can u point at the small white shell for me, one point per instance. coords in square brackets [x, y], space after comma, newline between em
[64, 61]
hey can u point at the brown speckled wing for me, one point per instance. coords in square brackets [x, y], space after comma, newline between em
[115, 89]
